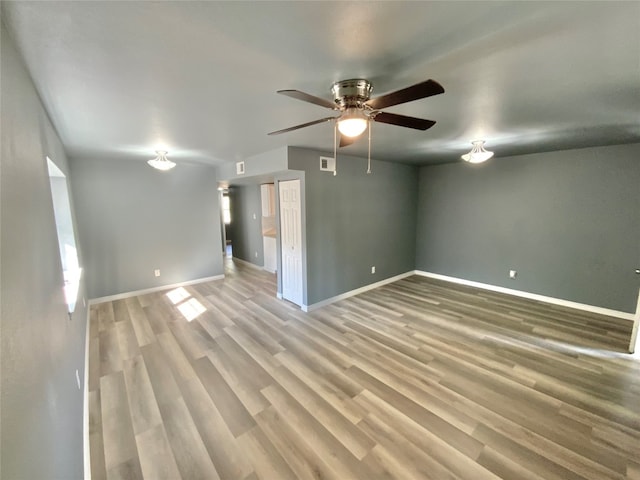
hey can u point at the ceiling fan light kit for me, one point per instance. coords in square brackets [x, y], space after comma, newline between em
[478, 154]
[353, 122]
[161, 162]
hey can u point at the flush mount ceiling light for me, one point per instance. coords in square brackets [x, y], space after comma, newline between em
[477, 154]
[161, 162]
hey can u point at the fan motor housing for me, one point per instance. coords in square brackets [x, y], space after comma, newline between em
[351, 93]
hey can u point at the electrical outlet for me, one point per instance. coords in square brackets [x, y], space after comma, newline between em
[513, 274]
[373, 269]
[256, 254]
[156, 272]
[255, 217]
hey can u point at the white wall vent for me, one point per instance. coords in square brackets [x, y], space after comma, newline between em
[240, 168]
[327, 164]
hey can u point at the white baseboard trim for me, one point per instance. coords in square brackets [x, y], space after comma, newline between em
[530, 296]
[135, 293]
[248, 264]
[357, 291]
[278, 295]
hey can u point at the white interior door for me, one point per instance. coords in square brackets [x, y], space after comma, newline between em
[291, 241]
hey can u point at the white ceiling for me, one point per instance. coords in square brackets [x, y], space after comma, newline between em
[120, 79]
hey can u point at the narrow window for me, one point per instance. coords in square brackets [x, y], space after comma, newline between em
[226, 209]
[66, 237]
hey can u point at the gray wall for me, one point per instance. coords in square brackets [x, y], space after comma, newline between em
[134, 219]
[42, 407]
[265, 163]
[245, 202]
[568, 222]
[355, 221]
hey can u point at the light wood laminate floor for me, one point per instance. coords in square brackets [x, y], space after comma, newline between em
[416, 379]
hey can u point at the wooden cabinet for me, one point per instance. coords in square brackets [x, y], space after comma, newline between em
[268, 196]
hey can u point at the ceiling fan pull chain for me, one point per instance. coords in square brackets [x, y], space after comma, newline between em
[369, 157]
[335, 148]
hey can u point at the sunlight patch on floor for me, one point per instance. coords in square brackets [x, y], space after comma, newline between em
[189, 309]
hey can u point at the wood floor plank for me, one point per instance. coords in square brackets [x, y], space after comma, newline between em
[251, 326]
[94, 354]
[142, 401]
[352, 438]
[165, 388]
[415, 379]
[142, 328]
[192, 338]
[318, 437]
[156, 458]
[239, 380]
[266, 460]
[457, 438]
[399, 456]
[633, 470]
[128, 470]
[106, 318]
[257, 351]
[127, 339]
[505, 467]
[524, 456]
[176, 357]
[109, 351]
[303, 460]
[342, 402]
[237, 418]
[117, 430]
[120, 311]
[96, 444]
[192, 458]
[158, 317]
[420, 435]
[314, 360]
[230, 461]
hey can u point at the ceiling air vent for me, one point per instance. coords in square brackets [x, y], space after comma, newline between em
[327, 164]
[240, 168]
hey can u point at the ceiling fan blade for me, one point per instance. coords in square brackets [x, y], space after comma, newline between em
[305, 97]
[404, 121]
[346, 141]
[308, 124]
[409, 94]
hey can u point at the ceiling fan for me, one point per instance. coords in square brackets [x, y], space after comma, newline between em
[352, 99]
